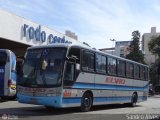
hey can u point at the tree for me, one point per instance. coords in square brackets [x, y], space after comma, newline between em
[135, 52]
[154, 45]
[153, 73]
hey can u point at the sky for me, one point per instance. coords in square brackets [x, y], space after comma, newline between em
[95, 22]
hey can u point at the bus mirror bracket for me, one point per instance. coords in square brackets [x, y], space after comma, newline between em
[72, 58]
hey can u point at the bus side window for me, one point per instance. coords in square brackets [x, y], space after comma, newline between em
[142, 72]
[146, 74]
[88, 61]
[69, 74]
[112, 66]
[129, 70]
[100, 64]
[121, 68]
[76, 53]
[136, 71]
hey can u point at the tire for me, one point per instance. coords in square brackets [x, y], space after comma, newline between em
[49, 107]
[134, 100]
[86, 102]
[6, 98]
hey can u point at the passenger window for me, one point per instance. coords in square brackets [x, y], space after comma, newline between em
[75, 52]
[129, 70]
[69, 76]
[111, 66]
[100, 64]
[121, 68]
[137, 72]
[88, 61]
[146, 74]
[142, 72]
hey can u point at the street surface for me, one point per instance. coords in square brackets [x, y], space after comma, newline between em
[145, 110]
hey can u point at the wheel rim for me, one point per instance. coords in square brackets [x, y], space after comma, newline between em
[86, 102]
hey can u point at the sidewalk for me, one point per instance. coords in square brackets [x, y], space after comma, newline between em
[155, 96]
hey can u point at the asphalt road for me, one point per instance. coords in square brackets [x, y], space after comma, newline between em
[145, 110]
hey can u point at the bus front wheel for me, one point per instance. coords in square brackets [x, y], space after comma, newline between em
[86, 102]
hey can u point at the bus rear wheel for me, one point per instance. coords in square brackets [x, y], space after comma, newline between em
[86, 102]
[133, 100]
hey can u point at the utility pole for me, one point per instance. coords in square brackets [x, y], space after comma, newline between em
[113, 40]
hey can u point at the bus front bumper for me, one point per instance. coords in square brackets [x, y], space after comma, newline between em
[54, 101]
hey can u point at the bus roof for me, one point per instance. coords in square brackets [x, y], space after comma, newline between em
[84, 46]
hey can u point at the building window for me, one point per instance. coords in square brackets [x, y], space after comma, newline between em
[88, 61]
[111, 66]
[121, 68]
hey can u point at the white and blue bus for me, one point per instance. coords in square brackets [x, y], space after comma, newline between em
[73, 75]
[8, 74]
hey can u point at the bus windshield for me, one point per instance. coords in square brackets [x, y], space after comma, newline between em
[3, 58]
[43, 67]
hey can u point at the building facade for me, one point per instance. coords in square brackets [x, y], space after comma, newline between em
[121, 49]
[146, 37]
[71, 34]
[108, 50]
[18, 33]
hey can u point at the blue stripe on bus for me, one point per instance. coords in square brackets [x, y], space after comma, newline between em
[108, 99]
[71, 100]
[105, 86]
[56, 100]
[83, 85]
[101, 99]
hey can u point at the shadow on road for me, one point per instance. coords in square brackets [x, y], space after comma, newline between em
[111, 106]
[24, 112]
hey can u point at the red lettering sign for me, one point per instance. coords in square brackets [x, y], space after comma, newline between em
[115, 80]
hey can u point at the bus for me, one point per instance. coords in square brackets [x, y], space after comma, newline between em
[75, 75]
[8, 74]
